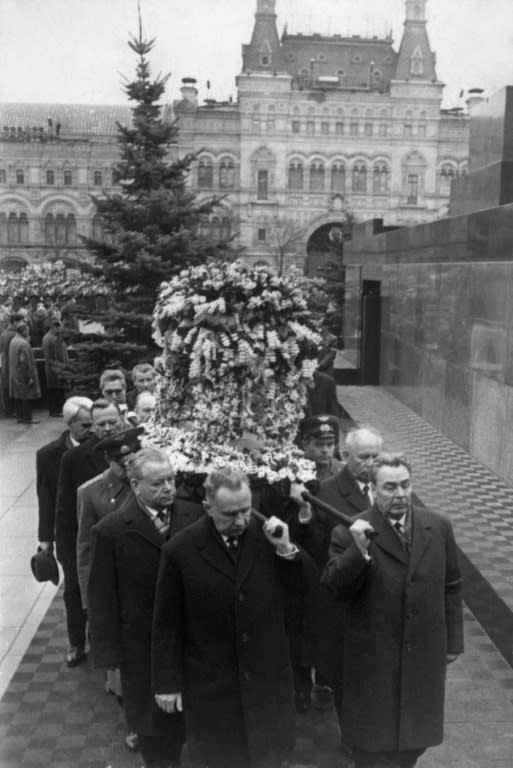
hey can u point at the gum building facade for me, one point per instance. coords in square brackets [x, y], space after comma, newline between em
[322, 128]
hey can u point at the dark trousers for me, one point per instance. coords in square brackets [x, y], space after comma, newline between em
[8, 402]
[405, 759]
[55, 401]
[75, 614]
[23, 410]
[162, 746]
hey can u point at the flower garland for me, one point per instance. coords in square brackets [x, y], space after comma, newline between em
[239, 352]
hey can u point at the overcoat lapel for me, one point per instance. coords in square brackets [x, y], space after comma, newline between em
[212, 549]
[421, 537]
[138, 523]
[249, 550]
[348, 487]
[386, 538]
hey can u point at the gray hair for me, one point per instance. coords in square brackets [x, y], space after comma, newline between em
[112, 374]
[142, 368]
[232, 479]
[388, 460]
[73, 405]
[353, 435]
[148, 455]
[144, 393]
[101, 403]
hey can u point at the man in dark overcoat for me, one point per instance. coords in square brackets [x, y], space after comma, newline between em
[77, 466]
[23, 376]
[56, 360]
[6, 337]
[220, 649]
[122, 581]
[104, 494]
[349, 492]
[77, 417]
[403, 620]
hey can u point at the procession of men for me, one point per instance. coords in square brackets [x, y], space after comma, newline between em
[195, 605]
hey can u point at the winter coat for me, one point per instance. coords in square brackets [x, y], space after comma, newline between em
[56, 358]
[219, 638]
[403, 614]
[23, 376]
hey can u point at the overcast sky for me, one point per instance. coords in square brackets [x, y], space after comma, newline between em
[76, 50]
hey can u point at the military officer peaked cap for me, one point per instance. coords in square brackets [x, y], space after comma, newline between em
[321, 427]
[121, 443]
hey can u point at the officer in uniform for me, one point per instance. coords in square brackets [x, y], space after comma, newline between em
[319, 437]
[96, 498]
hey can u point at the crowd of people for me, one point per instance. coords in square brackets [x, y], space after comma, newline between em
[219, 612]
[218, 615]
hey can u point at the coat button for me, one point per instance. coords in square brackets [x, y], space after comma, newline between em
[246, 676]
[242, 597]
[244, 637]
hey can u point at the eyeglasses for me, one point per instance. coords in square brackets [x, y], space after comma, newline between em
[113, 391]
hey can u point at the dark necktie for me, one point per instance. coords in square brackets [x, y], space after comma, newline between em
[365, 491]
[232, 544]
[162, 521]
[402, 535]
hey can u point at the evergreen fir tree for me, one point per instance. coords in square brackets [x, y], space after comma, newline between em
[151, 228]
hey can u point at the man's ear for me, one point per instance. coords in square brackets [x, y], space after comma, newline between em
[133, 483]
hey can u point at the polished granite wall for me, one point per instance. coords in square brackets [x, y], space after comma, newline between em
[447, 326]
[447, 351]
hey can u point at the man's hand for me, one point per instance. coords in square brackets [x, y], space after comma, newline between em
[450, 657]
[305, 509]
[358, 532]
[169, 702]
[282, 542]
[46, 545]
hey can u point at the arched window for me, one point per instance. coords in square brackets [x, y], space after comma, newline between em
[317, 177]
[97, 179]
[296, 176]
[447, 174]
[20, 177]
[338, 178]
[50, 177]
[266, 54]
[60, 229]
[226, 228]
[360, 178]
[68, 178]
[380, 179]
[417, 62]
[49, 229]
[97, 228]
[215, 228]
[13, 229]
[3, 228]
[71, 229]
[23, 228]
[205, 174]
[226, 173]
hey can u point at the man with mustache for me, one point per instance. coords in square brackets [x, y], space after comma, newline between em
[403, 620]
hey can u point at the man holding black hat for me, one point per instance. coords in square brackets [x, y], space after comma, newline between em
[319, 437]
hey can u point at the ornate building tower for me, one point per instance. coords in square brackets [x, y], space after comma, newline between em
[263, 53]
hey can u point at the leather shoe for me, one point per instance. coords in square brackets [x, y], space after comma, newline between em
[75, 656]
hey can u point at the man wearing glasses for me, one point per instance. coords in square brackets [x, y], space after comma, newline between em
[113, 387]
[77, 466]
